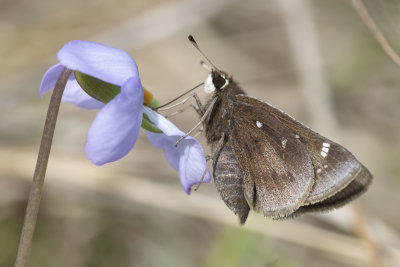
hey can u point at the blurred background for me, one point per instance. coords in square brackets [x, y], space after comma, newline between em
[314, 59]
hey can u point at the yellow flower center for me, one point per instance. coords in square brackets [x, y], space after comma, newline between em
[148, 96]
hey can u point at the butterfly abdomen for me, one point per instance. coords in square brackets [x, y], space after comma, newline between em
[228, 179]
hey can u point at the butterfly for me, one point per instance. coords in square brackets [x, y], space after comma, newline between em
[267, 161]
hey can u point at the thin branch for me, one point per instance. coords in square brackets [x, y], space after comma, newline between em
[35, 193]
[369, 22]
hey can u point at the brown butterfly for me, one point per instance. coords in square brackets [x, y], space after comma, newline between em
[265, 160]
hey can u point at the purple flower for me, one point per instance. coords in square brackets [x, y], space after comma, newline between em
[116, 127]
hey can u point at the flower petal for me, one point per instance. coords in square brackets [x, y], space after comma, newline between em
[188, 158]
[74, 94]
[116, 127]
[162, 123]
[192, 163]
[50, 78]
[106, 63]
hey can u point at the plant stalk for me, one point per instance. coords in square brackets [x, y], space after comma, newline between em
[35, 193]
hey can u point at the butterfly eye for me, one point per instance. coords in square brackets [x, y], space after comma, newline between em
[218, 79]
[219, 82]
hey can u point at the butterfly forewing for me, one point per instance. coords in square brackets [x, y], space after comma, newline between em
[334, 166]
[278, 172]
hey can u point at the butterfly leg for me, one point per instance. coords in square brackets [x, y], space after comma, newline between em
[198, 132]
[181, 110]
[208, 157]
[212, 157]
[198, 106]
[208, 110]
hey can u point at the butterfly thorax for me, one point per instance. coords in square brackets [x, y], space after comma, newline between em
[219, 121]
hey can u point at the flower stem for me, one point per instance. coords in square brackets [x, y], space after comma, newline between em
[35, 193]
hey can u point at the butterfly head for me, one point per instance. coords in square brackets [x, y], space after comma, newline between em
[216, 81]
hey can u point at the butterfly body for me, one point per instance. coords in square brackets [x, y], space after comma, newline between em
[220, 118]
[266, 161]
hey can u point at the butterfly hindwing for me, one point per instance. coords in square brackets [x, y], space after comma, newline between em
[354, 189]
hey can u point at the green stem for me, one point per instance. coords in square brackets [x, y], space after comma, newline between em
[35, 193]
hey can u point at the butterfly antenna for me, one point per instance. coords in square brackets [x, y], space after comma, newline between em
[204, 65]
[194, 43]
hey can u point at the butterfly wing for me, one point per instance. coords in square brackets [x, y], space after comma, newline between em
[283, 174]
[334, 167]
[354, 189]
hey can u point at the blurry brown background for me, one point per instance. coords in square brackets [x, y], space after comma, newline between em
[314, 59]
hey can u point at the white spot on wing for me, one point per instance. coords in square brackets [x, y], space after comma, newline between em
[319, 170]
[209, 85]
[284, 141]
[325, 149]
[259, 124]
[325, 166]
[297, 136]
